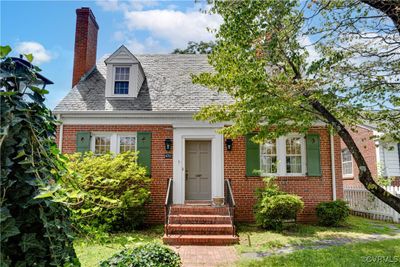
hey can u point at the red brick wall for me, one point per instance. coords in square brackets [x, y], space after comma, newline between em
[312, 189]
[161, 168]
[362, 138]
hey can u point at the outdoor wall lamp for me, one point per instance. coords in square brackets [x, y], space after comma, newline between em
[168, 144]
[229, 144]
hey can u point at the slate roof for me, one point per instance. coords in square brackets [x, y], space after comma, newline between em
[167, 87]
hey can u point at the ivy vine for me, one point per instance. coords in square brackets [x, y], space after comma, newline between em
[35, 230]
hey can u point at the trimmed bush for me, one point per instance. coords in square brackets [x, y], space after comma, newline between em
[332, 213]
[108, 192]
[152, 254]
[274, 207]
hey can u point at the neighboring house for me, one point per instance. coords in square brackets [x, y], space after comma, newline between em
[146, 103]
[383, 158]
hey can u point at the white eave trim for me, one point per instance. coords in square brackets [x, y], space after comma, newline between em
[119, 113]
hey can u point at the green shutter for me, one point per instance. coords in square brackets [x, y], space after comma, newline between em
[82, 141]
[313, 155]
[144, 148]
[252, 156]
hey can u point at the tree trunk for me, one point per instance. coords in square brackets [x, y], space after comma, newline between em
[365, 176]
[390, 7]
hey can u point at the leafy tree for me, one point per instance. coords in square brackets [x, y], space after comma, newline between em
[196, 48]
[289, 63]
[35, 231]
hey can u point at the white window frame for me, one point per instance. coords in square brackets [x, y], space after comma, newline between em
[114, 140]
[277, 161]
[281, 156]
[115, 79]
[347, 175]
[125, 135]
[110, 80]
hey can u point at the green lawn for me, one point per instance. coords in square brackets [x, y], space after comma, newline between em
[380, 253]
[90, 253]
[254, 239]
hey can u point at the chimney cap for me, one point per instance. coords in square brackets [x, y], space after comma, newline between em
[87, 10]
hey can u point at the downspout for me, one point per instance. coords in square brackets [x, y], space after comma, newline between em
[60, 140]
[333, 166]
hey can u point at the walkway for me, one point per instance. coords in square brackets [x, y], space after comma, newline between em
[207, 256]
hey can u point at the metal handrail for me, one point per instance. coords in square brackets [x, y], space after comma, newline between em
[230, 201]
[168, 203]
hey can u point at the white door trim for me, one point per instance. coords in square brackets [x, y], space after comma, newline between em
[217, 164]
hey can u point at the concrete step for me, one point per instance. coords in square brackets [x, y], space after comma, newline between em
[200, 240]
[200, 229]
[199, 210]
[199, 219]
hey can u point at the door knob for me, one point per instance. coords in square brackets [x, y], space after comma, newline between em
[198, 175]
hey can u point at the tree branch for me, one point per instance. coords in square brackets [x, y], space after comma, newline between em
[365, 175]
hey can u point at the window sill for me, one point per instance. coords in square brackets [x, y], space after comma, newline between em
[348, 177]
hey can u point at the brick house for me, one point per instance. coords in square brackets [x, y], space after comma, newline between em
[147, 102]
[382, 157]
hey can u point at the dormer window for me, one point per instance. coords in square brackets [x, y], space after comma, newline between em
[121, 84]
[124, 76]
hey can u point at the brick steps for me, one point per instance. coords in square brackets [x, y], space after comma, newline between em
[201, 229]
[199, 225]
[209, 240]
[199, 219]
[198, 210]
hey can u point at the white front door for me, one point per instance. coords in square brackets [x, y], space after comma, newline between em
[198, 170]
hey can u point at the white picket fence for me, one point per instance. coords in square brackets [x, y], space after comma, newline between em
[362, 202]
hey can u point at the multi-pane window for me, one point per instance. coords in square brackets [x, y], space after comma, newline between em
[127, 143]
[102, 145]
[347, 163]
[283, 156]
[121, 81]
[293, 155]
[269, 157]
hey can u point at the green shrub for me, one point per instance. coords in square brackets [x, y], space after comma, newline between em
[109, 191]
[152, 254]
[332, 213]
[274, 206]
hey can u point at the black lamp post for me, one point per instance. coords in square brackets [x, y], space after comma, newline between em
[168, 144]
[229, 144]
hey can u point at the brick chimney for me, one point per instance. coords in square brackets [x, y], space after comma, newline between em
[85, 43]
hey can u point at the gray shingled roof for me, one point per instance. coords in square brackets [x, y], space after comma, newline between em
[168, 87]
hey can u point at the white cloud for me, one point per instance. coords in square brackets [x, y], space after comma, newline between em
[40, 54]
[109, 5]
[176, 27]
[117, 5]
[310, 47]
[164, 29]
[149, 45]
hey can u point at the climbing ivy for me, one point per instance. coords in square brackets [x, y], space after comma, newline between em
[35, 230]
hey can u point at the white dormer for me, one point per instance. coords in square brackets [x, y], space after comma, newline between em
[125, 76]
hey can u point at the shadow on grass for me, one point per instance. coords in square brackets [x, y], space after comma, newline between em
[253, 238]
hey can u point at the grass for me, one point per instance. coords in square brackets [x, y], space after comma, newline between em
[371, 254]
[90, 252]
[254, 239]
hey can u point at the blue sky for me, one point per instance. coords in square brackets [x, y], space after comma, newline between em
[47, 28]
